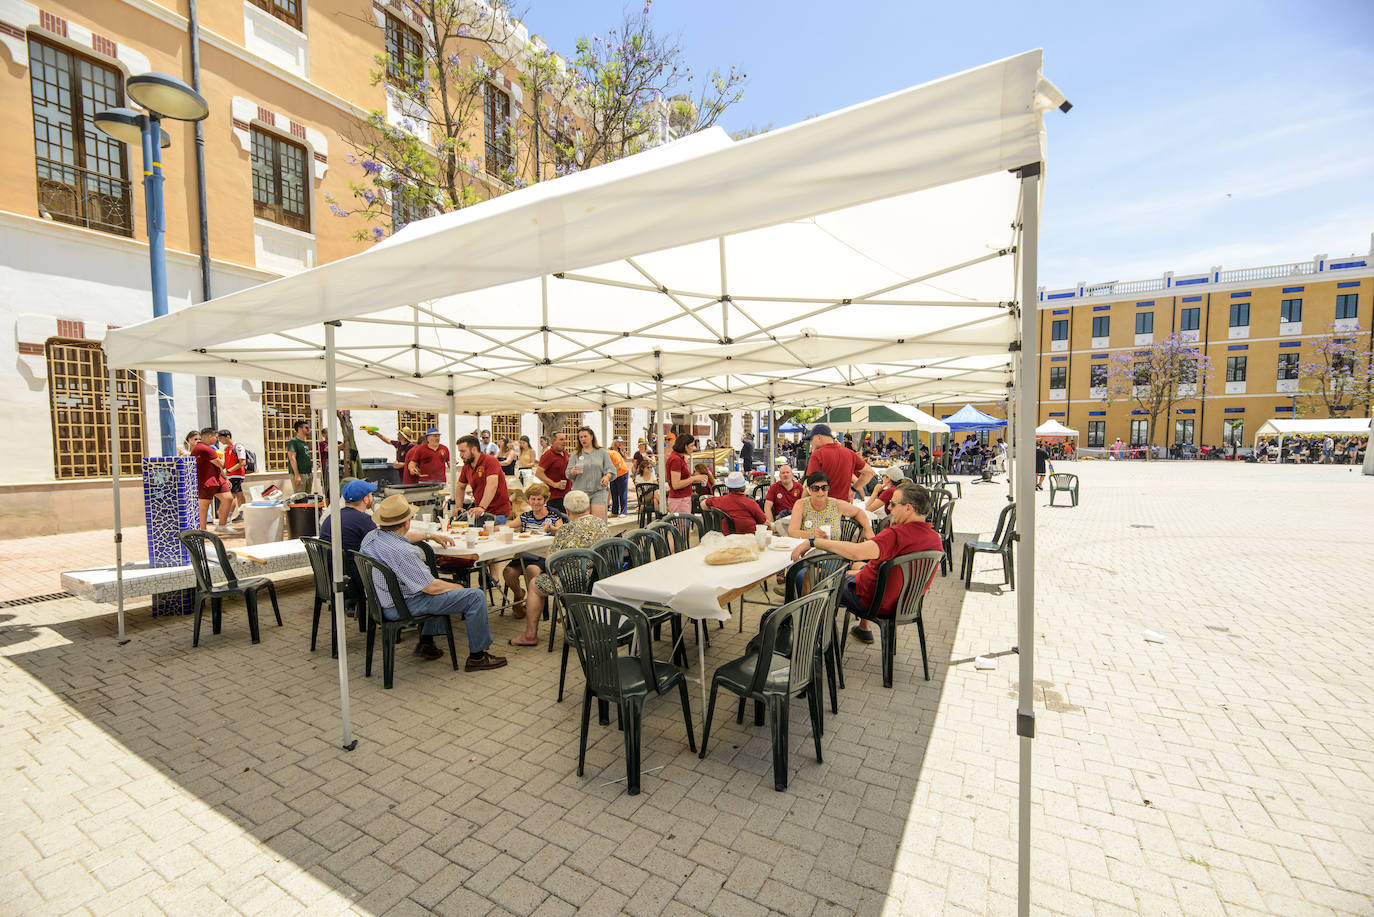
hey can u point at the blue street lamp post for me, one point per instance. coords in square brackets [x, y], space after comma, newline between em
[162, 96]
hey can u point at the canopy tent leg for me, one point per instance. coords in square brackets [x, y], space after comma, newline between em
[452, 475]
[1027, 385]
[658, 422]
[772, 436]
[605, 443]
[118, 528]
[335, 530]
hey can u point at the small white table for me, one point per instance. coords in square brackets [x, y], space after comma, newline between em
[695, 589]
[98, 584]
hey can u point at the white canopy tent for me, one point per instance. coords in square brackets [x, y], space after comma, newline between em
[1315, 426]
[883, 417]
[1053, 429]
[876, 253]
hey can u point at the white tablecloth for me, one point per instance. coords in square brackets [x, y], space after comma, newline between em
[689, 585]
[494, 548]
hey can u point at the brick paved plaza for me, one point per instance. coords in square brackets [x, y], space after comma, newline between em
[1229, 769]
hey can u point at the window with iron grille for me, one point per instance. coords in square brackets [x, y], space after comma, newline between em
[405, 209]
[1059, 329]
[78, 399]
[1097, 433]
[405, 63]
[283, 403]
[1183, 431]
[1347, 305]
[1102, 326]
[1144, 323]
[1240, 314]
[1288, 366]
[417, 422]
[1140, 432]
[1235, 369]
[500, 157]
[288, 11]
[83, 174]
[748, 424]
[507, 425]
[1059, 377]
[281, 180]
[1290, 310]
[571, 424]
[1097, 375]
[1189, 319]
[620, 425]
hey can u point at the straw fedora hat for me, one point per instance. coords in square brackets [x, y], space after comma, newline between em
[394, 510]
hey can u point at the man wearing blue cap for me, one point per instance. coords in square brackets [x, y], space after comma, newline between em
[355, 520]
[429, 460]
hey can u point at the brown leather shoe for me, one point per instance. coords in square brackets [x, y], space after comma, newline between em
[484, 661]
[428, 651]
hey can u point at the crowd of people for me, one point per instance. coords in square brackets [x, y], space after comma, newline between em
[1314, 449]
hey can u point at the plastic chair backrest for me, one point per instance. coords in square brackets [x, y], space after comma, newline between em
[195, 542]
[917, 569]
[431, 559]
[804, 615]
[1006, 524]
[688, 519]
[318, 550]
[574, 570]
[850, 530]
[652, 545]
[366, 568]
[1063, 480]
[677, 541]
[759, 493]
[715, 520]
[719, 490]
[596, 622]
[811, 570]
[617, 554]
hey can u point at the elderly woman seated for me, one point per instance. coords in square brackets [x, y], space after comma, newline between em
[582, 530]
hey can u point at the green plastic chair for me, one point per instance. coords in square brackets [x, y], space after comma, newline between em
[249, 588]
[917, 570]
[772, 679]
[390, 629]
[803, 578]
[1001, 544]
[1063, 482]
[622, 680]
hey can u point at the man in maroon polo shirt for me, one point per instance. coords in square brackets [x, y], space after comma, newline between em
[782, 495]
[210, 481]
[842, 466]
[553, 471]
[483, 473]
[428, 461]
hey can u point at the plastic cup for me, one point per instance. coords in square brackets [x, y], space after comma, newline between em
[507, 536]
[471, 538]
[488, 526]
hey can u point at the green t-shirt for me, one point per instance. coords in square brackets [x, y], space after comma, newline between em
[302, 449]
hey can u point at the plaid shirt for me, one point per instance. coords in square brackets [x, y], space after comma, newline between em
[404, 559]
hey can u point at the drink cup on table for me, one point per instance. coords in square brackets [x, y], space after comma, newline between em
[470, 537]
[487, 527]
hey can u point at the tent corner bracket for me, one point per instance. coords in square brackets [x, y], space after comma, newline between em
[1025, 725]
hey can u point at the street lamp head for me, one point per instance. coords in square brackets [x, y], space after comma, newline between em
[126, 126]
[167, 96]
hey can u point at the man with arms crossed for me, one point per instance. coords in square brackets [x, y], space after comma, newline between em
[844, 467]
[553, 471]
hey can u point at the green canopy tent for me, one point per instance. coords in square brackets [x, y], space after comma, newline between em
[883, 417]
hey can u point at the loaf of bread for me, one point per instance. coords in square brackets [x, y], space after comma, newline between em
[736, 555]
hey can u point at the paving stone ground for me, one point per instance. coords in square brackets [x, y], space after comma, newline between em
[1229, 769]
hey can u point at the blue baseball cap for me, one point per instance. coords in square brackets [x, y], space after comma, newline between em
[432, 431]
[354, 491]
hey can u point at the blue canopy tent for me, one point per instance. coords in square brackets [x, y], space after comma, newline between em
[970, 418]
[788, 427]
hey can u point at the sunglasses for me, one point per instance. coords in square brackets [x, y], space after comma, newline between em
[818, 488]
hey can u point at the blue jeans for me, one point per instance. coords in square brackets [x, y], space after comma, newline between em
[620, 495]
[468, 604]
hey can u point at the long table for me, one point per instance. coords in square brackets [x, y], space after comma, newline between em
[695, 589]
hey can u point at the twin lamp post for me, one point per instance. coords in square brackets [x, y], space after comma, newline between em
[161, 96]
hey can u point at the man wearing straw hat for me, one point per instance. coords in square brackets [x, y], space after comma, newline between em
[427, 598]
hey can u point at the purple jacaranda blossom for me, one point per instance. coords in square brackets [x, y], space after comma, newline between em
[378, 233]
[371, 168]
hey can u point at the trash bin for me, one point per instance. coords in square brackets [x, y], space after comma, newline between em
[262, 523]
[301, 511]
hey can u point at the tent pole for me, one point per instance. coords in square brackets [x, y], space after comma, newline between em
[452, 475]
[658, 422]
[1011, 449]
[331, 421]
[772, 437]
[1027, 388]
[118, 528]
[605, 443]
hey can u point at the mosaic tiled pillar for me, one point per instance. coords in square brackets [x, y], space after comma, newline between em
[170, 508]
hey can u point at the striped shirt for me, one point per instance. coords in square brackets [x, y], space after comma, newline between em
[404, 559]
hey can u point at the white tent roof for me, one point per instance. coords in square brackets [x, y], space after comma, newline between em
[1053, 427]
[864, 418]
[1337, 426]
[863, 255]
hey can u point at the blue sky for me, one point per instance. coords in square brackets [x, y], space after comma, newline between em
[1202, 133]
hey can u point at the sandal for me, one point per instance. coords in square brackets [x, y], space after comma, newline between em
[512, 642]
